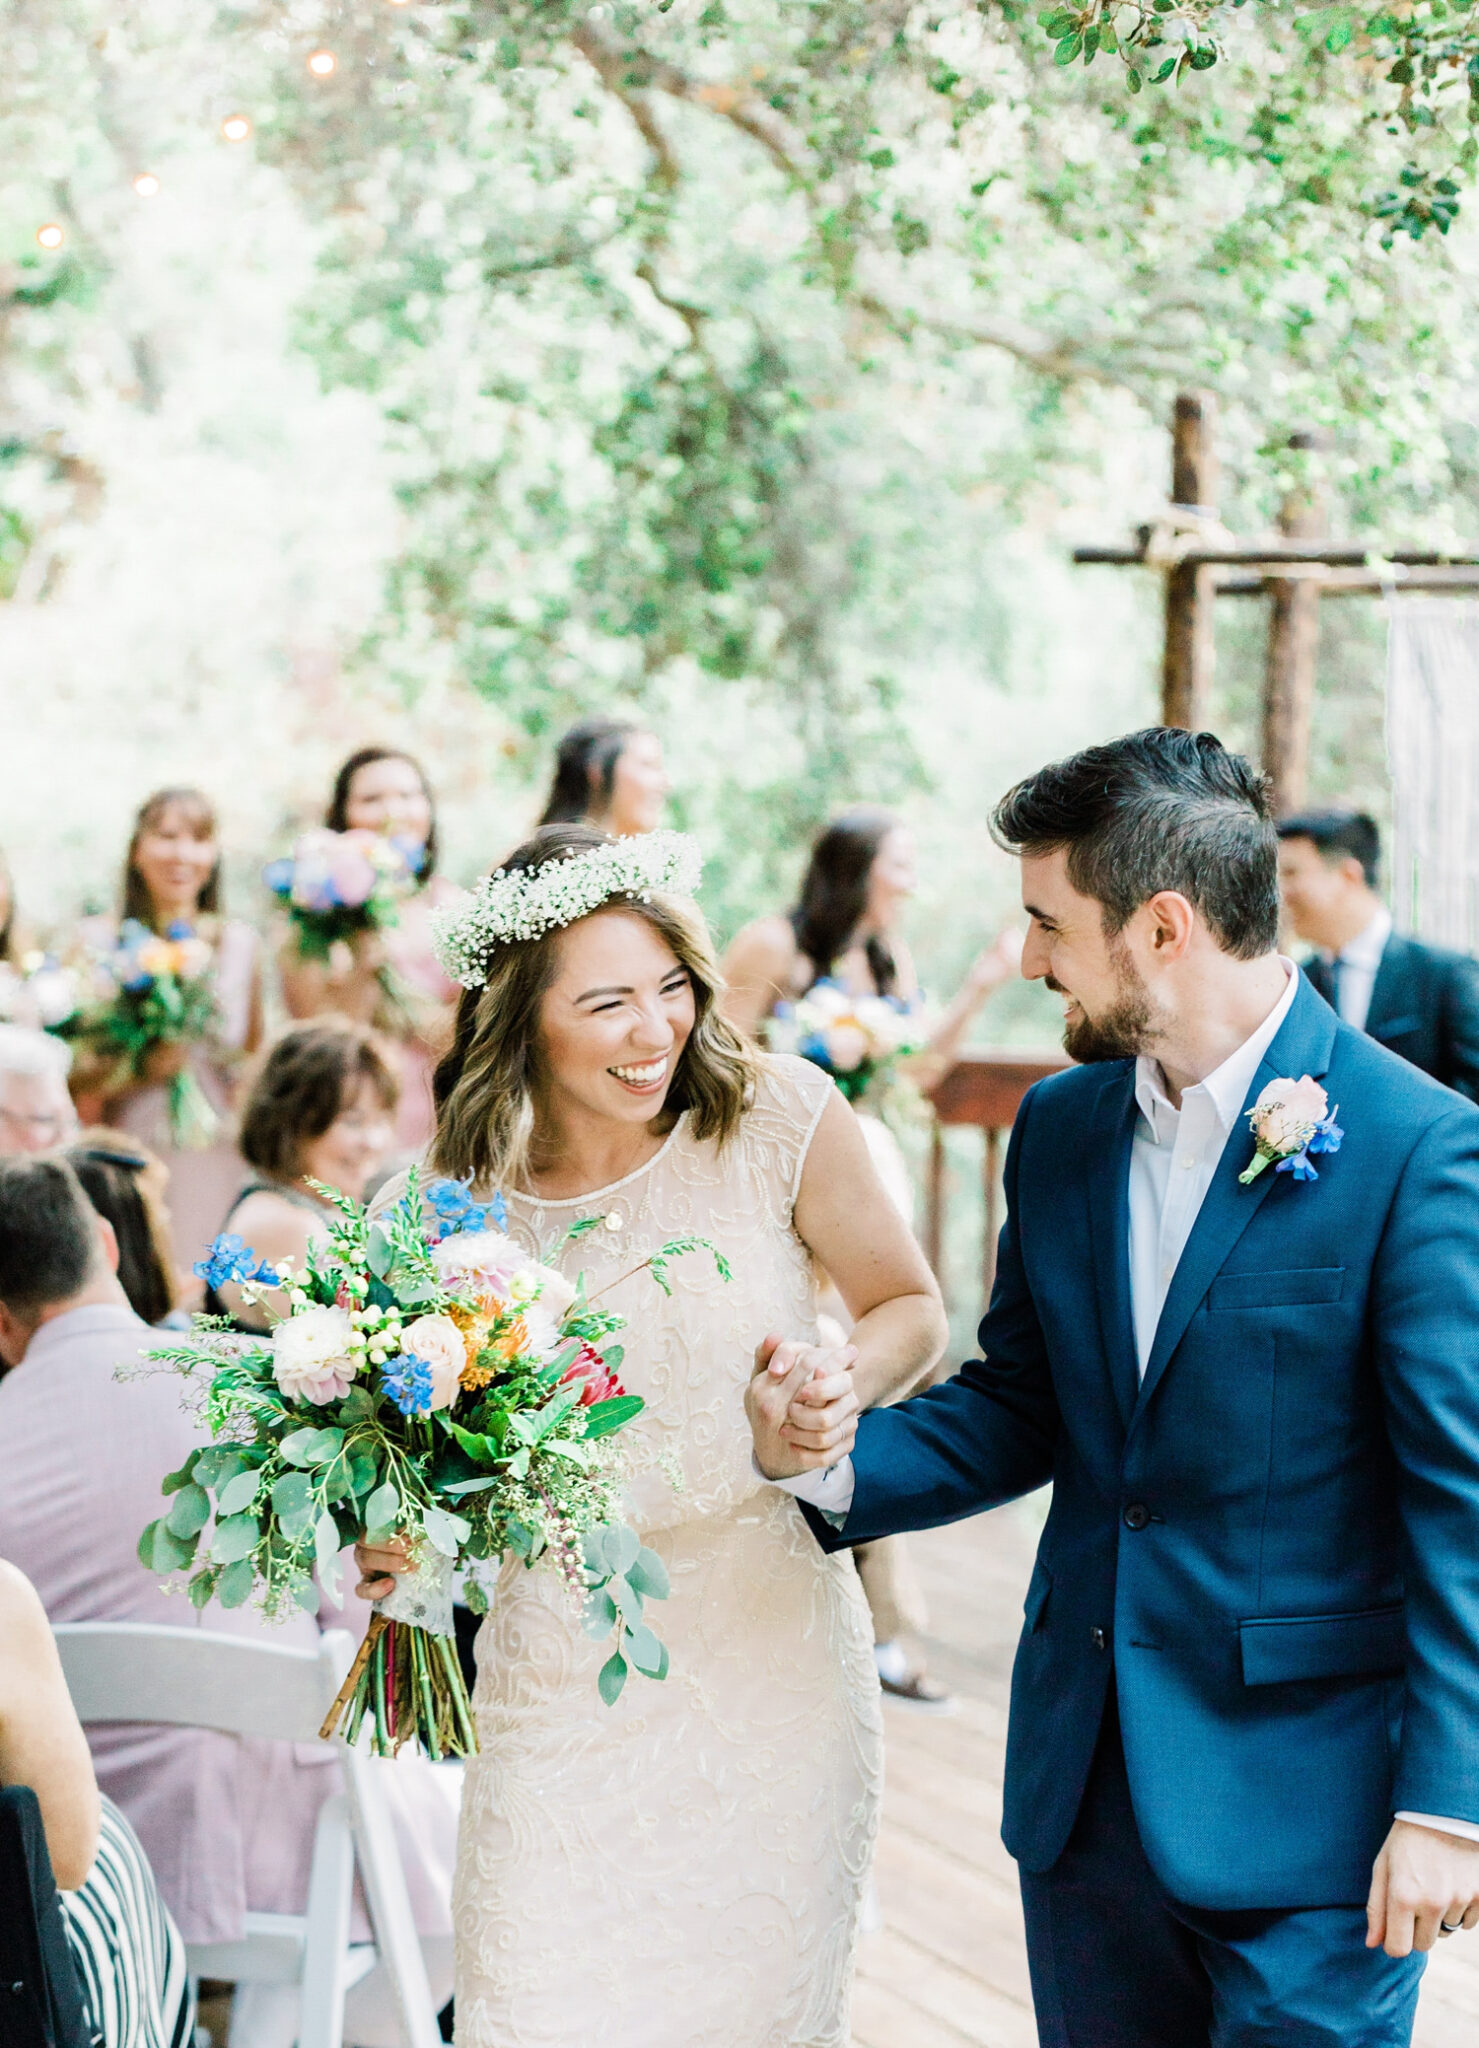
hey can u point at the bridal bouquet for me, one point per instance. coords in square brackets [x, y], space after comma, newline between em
[429, 1381]
[39, 991]
[151, 990]
[337, 884]
[855, 1039]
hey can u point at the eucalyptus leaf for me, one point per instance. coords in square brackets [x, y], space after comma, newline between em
[643, 1649]
[189, 1512]
[447, 1532]
[613, 1677]
[170, 1553]
[237, 1495]
[234, 1587]
[627, 1598]
[202, 1587]
[173, 1481]
[235, 1539]
[382, 1512]
[600, 1615]
[649, 1575]
[620, 1545]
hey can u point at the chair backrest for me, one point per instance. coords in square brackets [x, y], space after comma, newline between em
[193, 1678]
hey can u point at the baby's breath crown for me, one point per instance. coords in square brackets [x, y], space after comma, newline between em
[506, 907]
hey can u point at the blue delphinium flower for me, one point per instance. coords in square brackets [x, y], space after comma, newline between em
[456, 1211]
[407, 1380]
[180, 928]
[1325, 1137]
[230, 1257]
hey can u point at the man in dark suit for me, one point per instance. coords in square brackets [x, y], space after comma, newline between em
[1420, 1000]
[1242, 1778]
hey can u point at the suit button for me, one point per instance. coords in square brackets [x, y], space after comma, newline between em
[1099, 1637]
[1137, 1515]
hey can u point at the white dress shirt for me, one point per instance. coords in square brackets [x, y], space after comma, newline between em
[1355, 968]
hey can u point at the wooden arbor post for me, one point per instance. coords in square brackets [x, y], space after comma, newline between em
[1293, 643]
[1191, 588]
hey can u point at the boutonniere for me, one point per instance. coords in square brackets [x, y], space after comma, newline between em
[1289, 1121]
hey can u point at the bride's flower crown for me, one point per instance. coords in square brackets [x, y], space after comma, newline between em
[506, 907]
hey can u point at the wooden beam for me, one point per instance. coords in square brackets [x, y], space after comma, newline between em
[1186, 668]
[1293, 646]
[1274, 555]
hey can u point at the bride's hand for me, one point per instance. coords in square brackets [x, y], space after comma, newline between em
[379, 1563]
[803, 1406]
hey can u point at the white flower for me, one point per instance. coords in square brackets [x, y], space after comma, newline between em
[848, 1045]
[311, 1358]
[437, 1341]
[556, 1293]
[1286, 1115]
[544, 1331]
[479, 1262]
[505, 907]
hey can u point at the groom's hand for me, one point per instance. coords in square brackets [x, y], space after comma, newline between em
[1421, 1880]
[802, 1405]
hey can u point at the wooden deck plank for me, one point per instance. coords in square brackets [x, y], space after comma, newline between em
[948, 1968]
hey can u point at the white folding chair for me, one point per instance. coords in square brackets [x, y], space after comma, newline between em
[192, 1678]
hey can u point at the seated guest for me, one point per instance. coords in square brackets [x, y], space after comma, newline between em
[1421, 1001]
[227, 1822]
[36, 1112]
[126, 1183]
[108, 1938]
[322, 1108]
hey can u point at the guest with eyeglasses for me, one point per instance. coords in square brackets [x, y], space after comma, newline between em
[36, 1111]
[320, 1115]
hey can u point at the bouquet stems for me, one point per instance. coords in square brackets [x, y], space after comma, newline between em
[408, 1684]
[192, 1120]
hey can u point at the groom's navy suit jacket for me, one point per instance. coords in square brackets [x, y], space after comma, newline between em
[1273, 1540]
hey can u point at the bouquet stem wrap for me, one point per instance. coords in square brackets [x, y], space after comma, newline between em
[407, 1680]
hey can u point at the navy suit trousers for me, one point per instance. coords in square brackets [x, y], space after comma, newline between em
[1117, 1963]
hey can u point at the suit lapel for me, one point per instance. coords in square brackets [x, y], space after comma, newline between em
[1108, 1186]
[1390, 995]
[1302, 1045]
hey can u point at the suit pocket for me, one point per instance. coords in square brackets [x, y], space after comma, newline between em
[1276, 1290]
[1038, 1588]
[1369, 1644]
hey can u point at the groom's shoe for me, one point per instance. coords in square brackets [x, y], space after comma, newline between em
[918, 1690]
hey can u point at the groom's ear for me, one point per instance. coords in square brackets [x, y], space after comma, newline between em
[1169, 923]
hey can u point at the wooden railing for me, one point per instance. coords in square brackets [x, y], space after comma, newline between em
[985, 1088]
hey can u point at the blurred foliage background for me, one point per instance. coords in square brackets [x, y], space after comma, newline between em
[443, 371]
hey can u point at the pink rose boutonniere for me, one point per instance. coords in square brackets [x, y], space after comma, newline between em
[1290, 1120]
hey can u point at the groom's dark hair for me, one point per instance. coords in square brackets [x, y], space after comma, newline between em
[1158, 809]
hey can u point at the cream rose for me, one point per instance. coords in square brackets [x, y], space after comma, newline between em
[556, 1294]
[847, 1046]
[1287, 1113]
[437, 1341]
[311, 1358]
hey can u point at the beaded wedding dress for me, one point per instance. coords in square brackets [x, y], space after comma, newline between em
[683, 1870]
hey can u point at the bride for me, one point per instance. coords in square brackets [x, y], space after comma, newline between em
[683, 1870]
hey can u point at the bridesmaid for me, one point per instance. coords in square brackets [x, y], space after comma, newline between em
[846, 928]
[609, 773]
[172, 875]
[388, 979]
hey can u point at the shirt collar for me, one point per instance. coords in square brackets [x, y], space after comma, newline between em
[1366, 948]
[1226, 1087]
[97, 1318]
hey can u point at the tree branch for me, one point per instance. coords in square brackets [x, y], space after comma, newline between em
[632, 73]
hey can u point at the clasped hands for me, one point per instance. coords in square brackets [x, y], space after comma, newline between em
[803, 1406]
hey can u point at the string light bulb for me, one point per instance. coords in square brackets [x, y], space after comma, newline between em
[323, 63]
[236, 128]
[146, 184]
[51, 236]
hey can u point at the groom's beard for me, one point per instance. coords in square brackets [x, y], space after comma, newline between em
[1122, 1031]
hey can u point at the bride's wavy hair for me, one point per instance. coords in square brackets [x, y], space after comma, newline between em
[487, 1086]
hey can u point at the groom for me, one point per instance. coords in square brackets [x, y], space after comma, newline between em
[1242, 1777]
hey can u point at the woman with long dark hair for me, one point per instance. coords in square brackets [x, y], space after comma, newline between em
[845, 929]
[389, 978]
[172, 881]
[129, 1188]
[593, 1079]
[609, 773]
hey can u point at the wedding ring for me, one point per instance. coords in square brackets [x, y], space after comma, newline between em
[1444, 1928]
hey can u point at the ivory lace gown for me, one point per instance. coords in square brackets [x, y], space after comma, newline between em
[683, 1870]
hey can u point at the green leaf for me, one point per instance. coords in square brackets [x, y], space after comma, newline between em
[170, 1553]
[1132, 78]
[237, 1495]
[234, 1587]
[612, 1678]
[1068, 50]
[600, 1615]
[461, 1487]
[604, 1416]
[189, 1512]
[620, 1545]
[627, 1598]
[364, 1468]
[202, 1586]
[305, 1593]
[312, 1446]
[483, 1450]
[447, 1532]
[382, 1512]
[236, 1538]
[173, 1481]
[650, 1575]
[378, 1253]
[326, 1541]
[644, 1650]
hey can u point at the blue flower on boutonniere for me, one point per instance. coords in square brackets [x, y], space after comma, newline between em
[1290, 1120]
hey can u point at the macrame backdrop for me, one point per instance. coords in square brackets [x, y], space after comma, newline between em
[1433, 748]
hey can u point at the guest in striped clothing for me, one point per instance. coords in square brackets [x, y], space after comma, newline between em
[127, 1960]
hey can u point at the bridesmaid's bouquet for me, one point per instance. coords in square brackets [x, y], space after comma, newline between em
[150, 991]
[39, 991]
[429, 1381]
[335, 885]
[855, 1039]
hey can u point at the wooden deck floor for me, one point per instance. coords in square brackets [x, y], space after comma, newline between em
[946, 1969]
